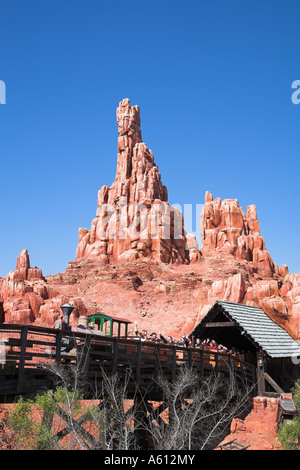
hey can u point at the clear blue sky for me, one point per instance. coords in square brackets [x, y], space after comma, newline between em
[213, 81]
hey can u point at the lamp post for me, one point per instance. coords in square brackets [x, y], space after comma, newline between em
[260, 374]
[67, 309]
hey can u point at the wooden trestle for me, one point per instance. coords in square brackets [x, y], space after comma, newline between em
[27, 351]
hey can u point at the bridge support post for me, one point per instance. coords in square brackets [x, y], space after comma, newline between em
[141, 425]
[24, 332]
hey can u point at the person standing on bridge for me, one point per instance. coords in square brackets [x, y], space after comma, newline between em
[157, 339]
[170, 340]
[183, 341]
[199, 344]
[141, 335]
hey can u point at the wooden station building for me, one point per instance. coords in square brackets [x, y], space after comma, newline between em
[251, 333]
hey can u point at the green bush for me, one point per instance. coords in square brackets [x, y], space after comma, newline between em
[289, 435]
[30, 421]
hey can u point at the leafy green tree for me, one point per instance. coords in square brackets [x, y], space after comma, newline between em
[23, 426]
[289, 435]
[32, 424]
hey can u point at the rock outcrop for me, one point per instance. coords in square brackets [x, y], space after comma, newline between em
[226, 228]
[290, 294]
[258, 431]
[22, 292]
[134, 219]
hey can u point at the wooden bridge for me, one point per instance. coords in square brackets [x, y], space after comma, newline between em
[26, 352]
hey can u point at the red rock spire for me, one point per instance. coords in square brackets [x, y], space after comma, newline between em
[137, 189]
[137, 176]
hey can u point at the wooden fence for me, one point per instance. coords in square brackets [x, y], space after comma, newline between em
[26, 353]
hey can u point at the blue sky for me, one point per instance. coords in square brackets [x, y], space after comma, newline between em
[213, 81]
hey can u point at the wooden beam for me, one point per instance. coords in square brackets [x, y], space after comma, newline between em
[115, 356]
[24, 330]
[273, 383]
[220, 324]
[173, 366]
[138, 362]
[58, 341]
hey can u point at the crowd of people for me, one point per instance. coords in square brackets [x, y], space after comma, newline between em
[181, 341]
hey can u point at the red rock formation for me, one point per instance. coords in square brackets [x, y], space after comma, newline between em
[134, 219]
[20, 292]
[136, 233]
[290, 294]
[226, 228]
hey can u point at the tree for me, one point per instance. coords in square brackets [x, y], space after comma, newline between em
[289, 434]
[62, 419]
[200, 410]
[30, 425]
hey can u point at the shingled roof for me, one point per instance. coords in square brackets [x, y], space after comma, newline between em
[274, 340]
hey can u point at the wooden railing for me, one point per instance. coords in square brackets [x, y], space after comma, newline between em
[26, 351]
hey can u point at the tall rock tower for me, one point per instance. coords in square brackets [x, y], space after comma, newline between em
[134, 219]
